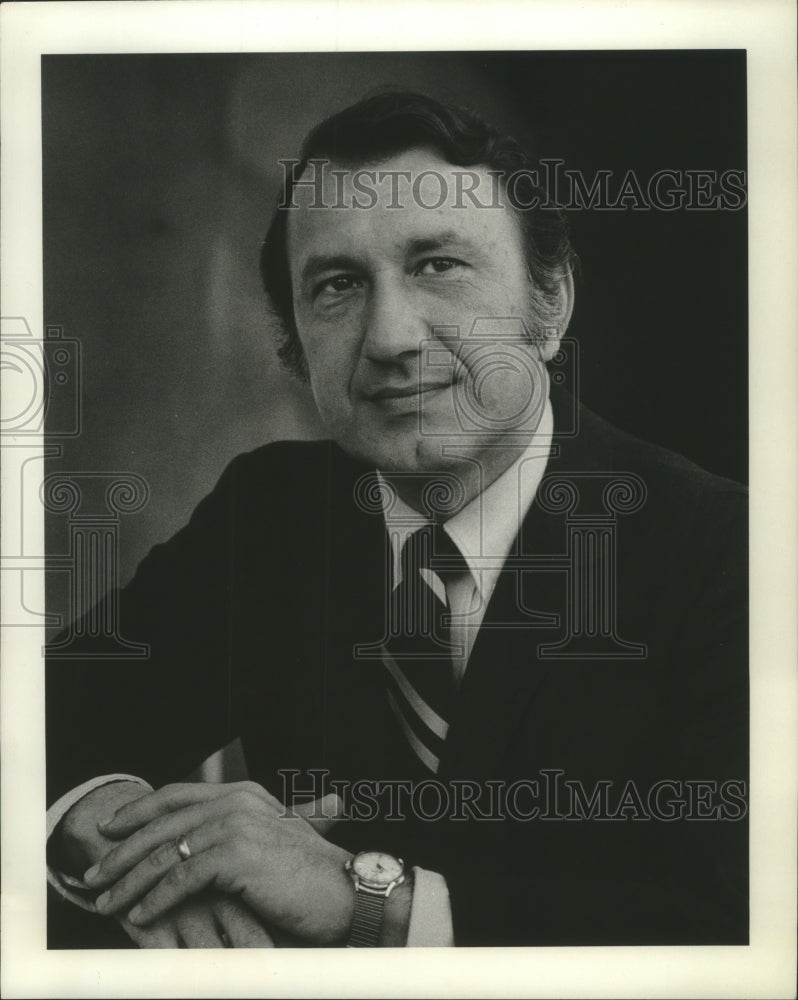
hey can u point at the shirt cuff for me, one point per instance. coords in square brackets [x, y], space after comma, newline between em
[65, 884]
[430, 912]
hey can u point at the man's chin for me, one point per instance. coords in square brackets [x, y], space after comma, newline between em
[406, 453]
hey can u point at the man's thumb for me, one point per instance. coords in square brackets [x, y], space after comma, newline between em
[322, 814]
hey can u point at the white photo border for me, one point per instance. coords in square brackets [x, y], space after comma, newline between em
[766, 967]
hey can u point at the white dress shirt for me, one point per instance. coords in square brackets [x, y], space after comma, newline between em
[483, 531]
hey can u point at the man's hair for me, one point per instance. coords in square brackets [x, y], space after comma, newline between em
[391, 122]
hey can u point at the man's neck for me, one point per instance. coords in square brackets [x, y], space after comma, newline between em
[486, 525]
[439, 494]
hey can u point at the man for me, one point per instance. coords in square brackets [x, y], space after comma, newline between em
[484, 631]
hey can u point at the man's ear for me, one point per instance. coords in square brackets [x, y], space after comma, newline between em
[558, 309]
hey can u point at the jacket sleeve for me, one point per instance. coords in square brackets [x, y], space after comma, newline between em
[160, 716]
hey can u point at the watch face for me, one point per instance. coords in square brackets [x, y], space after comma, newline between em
[376, 868]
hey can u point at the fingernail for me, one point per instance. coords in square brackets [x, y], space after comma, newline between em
[134, 914]
[102, 901]
[89, 875]
[107, 821]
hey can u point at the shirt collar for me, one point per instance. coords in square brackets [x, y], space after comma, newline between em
[484, 530]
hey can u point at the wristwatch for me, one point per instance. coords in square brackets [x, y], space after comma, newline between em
[375, 875]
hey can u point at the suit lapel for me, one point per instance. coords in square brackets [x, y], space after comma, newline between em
[504, 674]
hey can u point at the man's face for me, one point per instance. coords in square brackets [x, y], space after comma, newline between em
[386, 300]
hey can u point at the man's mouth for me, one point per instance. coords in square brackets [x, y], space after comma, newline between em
[404, 391]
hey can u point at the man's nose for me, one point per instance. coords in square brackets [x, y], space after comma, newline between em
[395, 323]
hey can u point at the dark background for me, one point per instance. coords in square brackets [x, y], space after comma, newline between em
[160, 173]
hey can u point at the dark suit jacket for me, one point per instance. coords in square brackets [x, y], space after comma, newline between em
[252, 612]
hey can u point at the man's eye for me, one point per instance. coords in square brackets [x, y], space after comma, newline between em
[438, 265]
[338, 284]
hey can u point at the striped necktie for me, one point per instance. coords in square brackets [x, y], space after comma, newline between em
[418, 653]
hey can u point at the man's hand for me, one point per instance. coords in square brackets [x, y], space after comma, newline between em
[210, 920]
[77, 841]
[243, 842]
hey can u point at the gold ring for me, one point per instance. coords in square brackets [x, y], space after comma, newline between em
[183, 849]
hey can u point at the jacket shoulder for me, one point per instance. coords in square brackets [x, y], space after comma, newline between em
[666, 474]
[295, 460]
[288, 473]
[282, 483]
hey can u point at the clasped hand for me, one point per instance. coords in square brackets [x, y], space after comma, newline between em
[244, 843]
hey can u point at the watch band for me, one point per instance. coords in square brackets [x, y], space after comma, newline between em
[367, 919]
[374, 875]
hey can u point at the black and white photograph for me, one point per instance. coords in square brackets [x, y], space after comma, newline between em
[388, 422]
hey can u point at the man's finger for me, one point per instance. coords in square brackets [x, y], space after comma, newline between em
[161, 934]
[143, 842]
[125, 821]
[209, 920]
[156, 866]
[197, 926]
[240, 926]
[181, 882]
[322, 814]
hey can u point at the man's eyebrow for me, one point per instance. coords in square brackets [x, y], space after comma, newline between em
[447, 240]
[319, 262]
